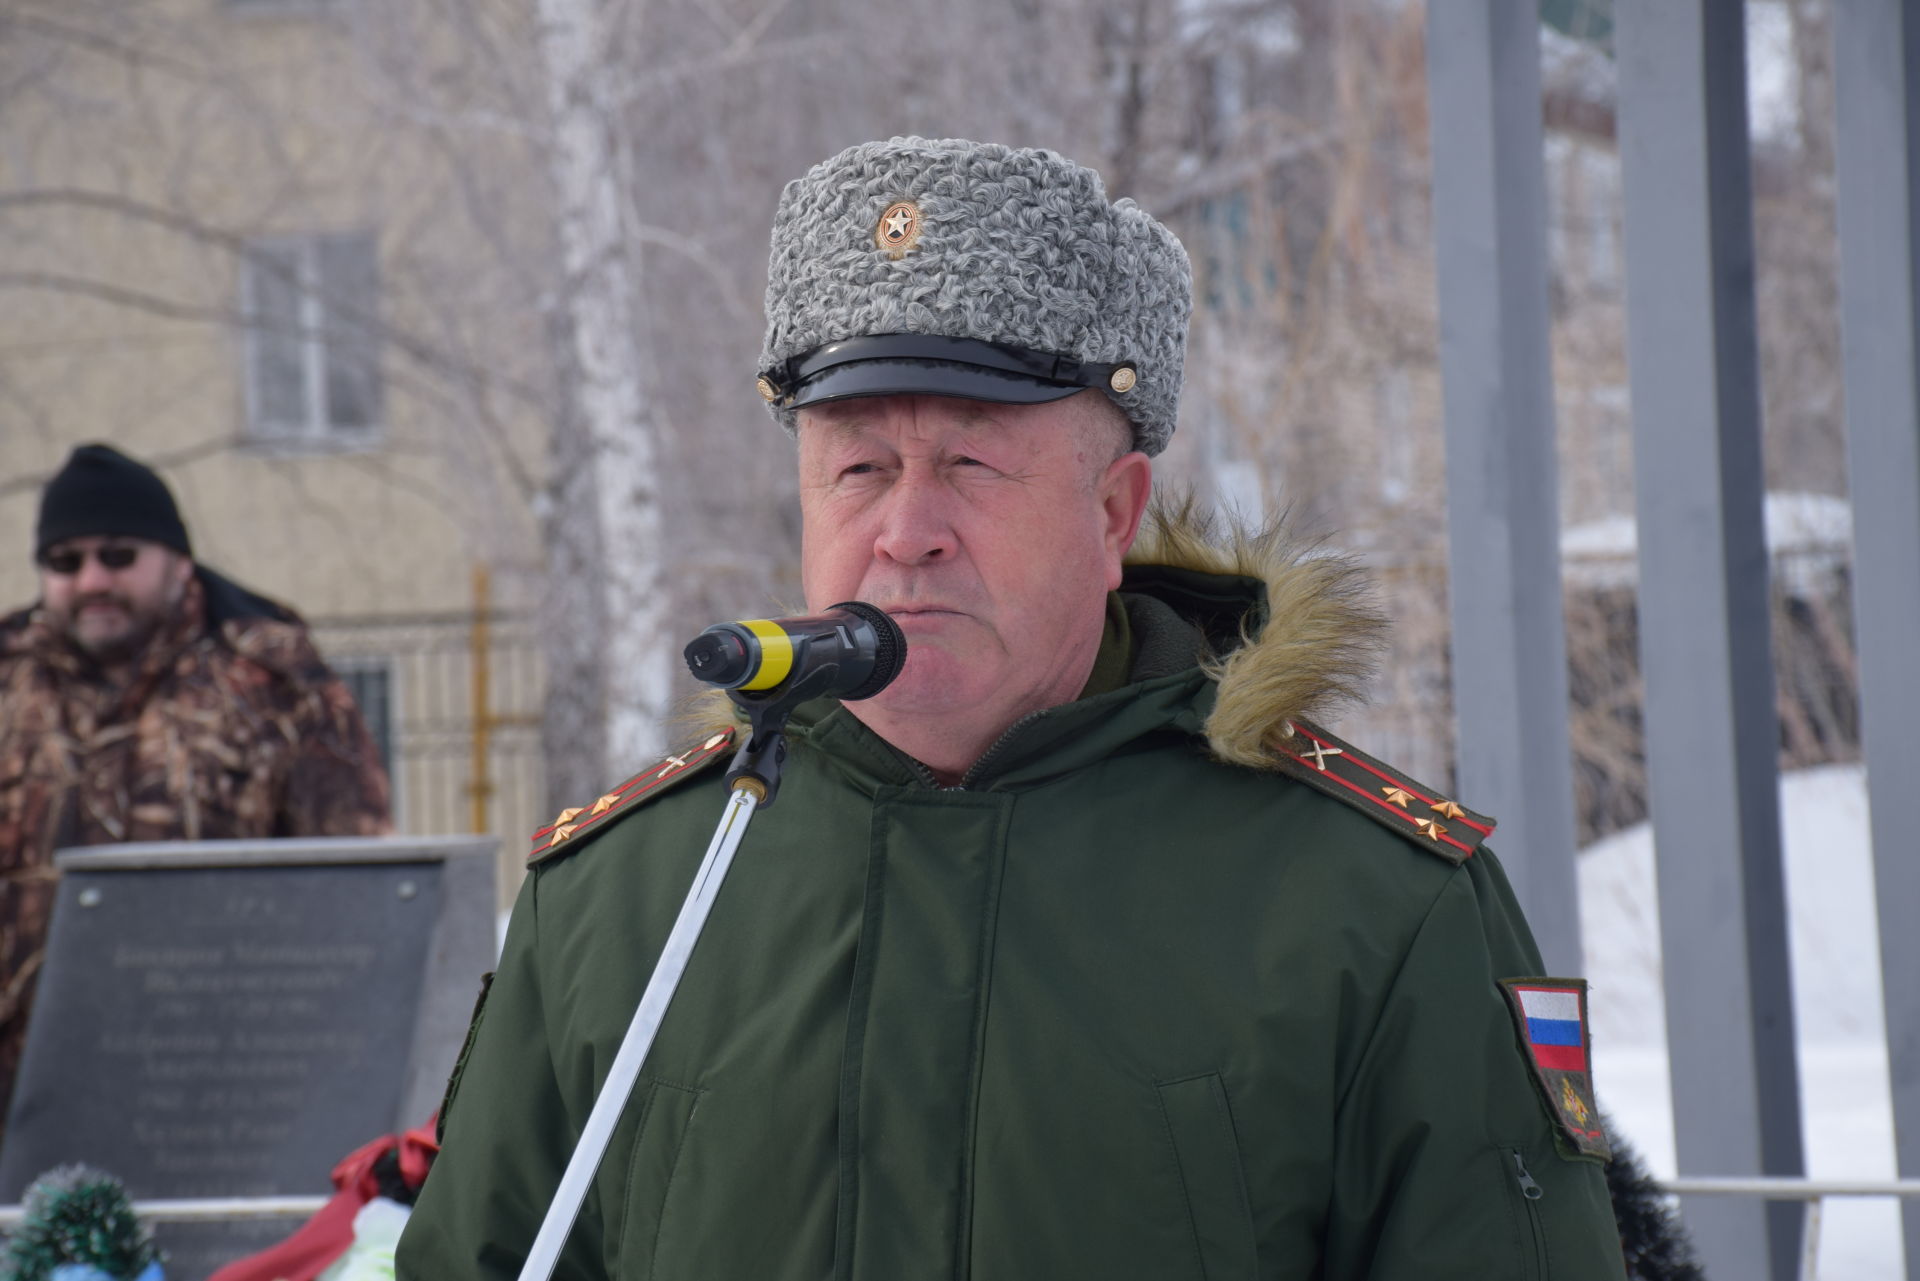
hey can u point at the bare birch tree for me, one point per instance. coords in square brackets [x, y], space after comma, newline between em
[607, 579]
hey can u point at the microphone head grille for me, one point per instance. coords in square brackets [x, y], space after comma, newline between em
[890, 652]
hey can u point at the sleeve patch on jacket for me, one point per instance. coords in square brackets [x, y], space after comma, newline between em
[1550, 1016]
[1398, 803]
[575, 824]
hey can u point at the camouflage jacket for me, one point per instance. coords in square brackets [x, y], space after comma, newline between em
[229, 726]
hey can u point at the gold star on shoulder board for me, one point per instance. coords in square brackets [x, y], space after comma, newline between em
[1397, 796]
[1447, 809]
[604, 804]
[561, 833]
[1429, 829]
[568, 815]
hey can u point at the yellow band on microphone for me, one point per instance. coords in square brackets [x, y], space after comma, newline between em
[776, 653]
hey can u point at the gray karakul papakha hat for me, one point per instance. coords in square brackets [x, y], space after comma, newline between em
[954, 268]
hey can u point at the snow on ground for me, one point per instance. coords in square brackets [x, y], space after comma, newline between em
[1846, 1102]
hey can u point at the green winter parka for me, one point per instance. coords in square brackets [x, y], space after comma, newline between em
[1131, 1002]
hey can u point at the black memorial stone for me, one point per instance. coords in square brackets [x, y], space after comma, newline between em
[225, 1031]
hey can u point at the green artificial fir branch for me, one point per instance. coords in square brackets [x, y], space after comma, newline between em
[77, 1214]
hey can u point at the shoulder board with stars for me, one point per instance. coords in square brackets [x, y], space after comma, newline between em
[575, 825]
[1390, 798]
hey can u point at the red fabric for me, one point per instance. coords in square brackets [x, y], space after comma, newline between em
[1560, 1058]
[326, 1236]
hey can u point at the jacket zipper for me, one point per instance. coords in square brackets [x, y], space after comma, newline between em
[924, 774]
[974, 771]
[1531, 1192]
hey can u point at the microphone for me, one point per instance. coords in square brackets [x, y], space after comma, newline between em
[857, 648]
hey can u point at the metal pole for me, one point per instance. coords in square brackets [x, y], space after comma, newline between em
[1794, 1189]
[1810, 1241]
[204, 1210]
[1876, 48]
[1503, 515]
[481, 788]
[1712, 737]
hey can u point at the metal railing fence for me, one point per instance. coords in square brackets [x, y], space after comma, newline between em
[1701, 583]
[454, 698]
[1815, 1192]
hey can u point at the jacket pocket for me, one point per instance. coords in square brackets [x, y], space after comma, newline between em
[1207, 1156]
[1524, 1196]
[667, 1115]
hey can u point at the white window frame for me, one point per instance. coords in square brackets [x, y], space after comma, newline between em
[315, 430]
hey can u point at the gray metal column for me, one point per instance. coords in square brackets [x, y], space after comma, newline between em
[1712, 737]
[1877, 118]
[1503, 512]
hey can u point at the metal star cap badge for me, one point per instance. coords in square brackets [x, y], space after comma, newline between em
[898, 228]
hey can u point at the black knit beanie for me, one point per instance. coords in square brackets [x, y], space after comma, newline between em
[103, 492]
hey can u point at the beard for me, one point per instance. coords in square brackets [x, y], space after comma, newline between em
[121, 632]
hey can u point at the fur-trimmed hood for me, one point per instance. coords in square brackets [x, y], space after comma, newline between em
[1309, 651]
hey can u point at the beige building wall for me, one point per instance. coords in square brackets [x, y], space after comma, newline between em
[138, 160]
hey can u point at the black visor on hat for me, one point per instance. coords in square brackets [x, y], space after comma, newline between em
[928, 365]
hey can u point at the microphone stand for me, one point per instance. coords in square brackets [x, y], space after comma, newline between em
[753, 782]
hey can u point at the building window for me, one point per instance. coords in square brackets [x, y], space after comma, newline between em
[312, 350]
[370, 681]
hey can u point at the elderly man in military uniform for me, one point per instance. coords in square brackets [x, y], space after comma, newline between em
[1081, 950]
[147, 698]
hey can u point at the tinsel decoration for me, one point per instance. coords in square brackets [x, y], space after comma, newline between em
[1652, 1237]
[77, 1215]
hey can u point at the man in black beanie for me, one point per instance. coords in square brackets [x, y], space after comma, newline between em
[146, 698]
[114, 555]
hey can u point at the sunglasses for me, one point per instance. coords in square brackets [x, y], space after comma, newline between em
[68, 561]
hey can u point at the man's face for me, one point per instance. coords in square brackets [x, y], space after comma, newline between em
[991, 533]
[109, 595]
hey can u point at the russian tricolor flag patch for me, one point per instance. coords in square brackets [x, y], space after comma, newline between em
[1551, 1018]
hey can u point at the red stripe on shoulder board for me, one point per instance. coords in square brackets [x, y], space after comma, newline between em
[1389, 779]
[622, 798]
[1401, 783]
[1381, 804]
[669, 768]
[617, 792]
